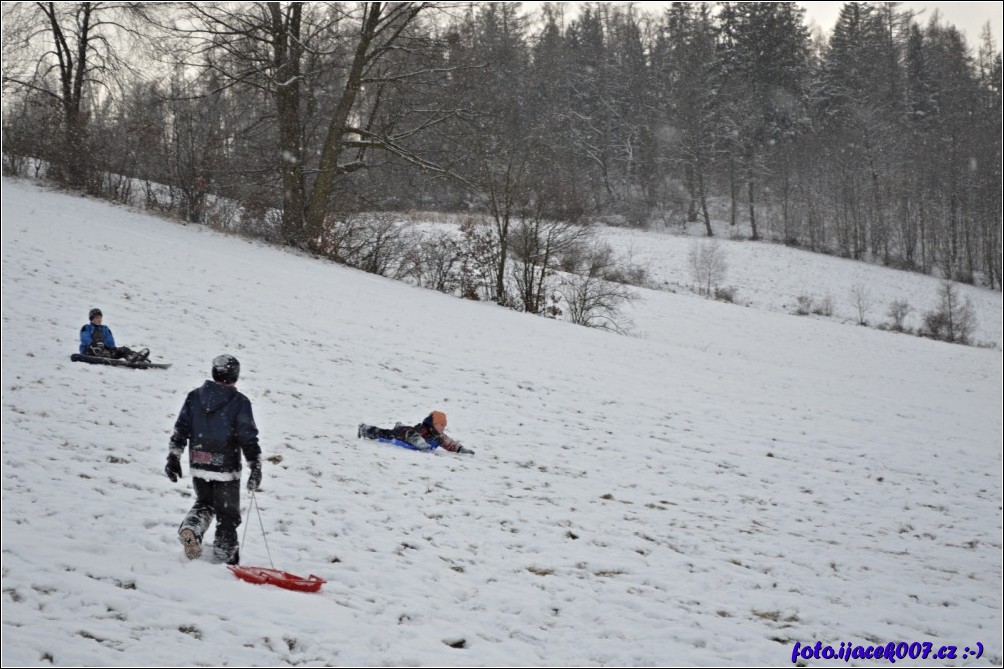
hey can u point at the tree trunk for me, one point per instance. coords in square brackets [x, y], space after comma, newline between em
[732, 191]
[502, 229]
[749, 187]
[73, 71]
[287, 54]
[334, 142]
[690, 179]
[704, 201]
[785, 206]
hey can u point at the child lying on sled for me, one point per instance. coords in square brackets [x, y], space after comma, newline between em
[425, 436]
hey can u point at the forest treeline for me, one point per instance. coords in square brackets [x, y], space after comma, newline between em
[880, 141]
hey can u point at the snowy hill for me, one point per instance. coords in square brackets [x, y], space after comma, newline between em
[772, 277]
[730, 482]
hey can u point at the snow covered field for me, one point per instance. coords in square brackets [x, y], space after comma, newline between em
[728, 482]
[772, 277]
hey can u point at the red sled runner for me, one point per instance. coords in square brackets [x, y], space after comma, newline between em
[282, 579]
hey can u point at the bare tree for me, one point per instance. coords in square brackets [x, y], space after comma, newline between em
[954, 319]
[898, 311]
[538, 243]
[349, 56]
[433, 261]
[708, 266]
[506, 191]
[592, 298]
[375, 243]
[479, 261]
[71, 53]
[861, 298]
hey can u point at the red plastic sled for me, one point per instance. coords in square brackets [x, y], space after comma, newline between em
[282, 579]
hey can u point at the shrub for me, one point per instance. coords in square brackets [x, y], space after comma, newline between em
[591, 297]
[594, 302]
[953, 320]
[373, 243]
[725, 294]
[861, 298]
[707, 266]
[898, 311]
[824, 307]
[433, 262]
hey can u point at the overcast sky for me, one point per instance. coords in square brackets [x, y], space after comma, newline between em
[969, 17]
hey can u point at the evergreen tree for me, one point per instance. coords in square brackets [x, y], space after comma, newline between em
[690, 76]
[988, 158]
[860, 107]
[764, 51]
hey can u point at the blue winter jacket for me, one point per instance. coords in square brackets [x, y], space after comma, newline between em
[87, 336]
[216, 424]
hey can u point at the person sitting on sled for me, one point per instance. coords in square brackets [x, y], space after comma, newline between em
[97, 340]
[424, 436]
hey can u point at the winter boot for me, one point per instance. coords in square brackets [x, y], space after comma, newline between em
[138, 356]
[192, 544]
[226, 555]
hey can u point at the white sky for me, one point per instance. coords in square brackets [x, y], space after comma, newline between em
[969, 17]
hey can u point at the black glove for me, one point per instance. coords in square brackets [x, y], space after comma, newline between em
[173, 468]
[465, 451]
[254, 478]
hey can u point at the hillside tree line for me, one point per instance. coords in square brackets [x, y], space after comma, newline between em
[880, 141]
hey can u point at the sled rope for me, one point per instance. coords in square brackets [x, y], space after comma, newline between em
[261, 524]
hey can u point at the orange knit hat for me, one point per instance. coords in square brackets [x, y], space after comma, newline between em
[438, 420]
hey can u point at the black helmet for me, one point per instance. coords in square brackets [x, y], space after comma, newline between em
[92, 313]
[226, 369]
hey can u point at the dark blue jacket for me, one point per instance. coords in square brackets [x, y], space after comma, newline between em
[217, 424]
[87, 336]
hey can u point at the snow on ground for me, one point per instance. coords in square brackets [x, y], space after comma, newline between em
[727, 483]
[769, 276]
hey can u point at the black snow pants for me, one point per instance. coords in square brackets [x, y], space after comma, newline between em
[400, 433]
[223, 500]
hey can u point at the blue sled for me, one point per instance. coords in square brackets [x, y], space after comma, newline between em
[404, 444]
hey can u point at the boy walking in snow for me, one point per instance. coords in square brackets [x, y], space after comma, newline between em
[425, 436]
[217, 424]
